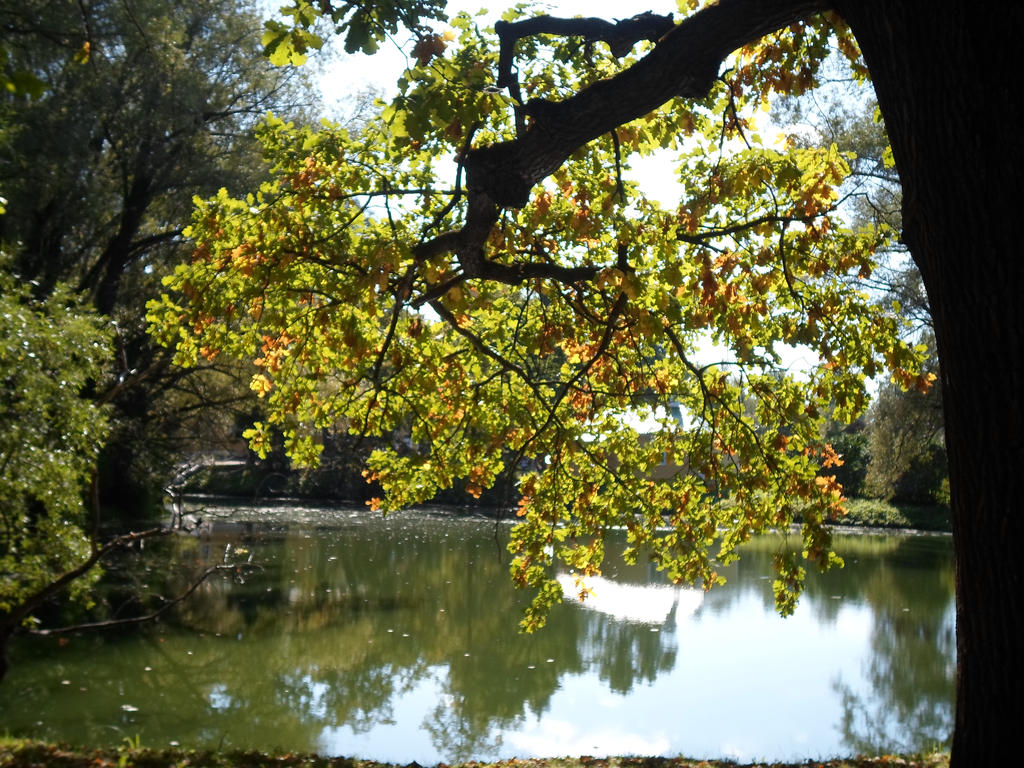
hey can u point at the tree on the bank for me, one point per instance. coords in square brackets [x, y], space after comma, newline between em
[896, 452]
[905, 441]
[50, 351]
[112, 116]
[146, 104]
[431, 270]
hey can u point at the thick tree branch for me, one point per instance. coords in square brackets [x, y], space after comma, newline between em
[685, 62]
[468, 244]
[621, 36]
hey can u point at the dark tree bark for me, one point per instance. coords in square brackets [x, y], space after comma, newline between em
[943, 78]
[944, 81]
[117, 254]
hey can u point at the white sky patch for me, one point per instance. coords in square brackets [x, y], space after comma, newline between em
[562, 737]
[657, 177]
[634, 603]
[645, 420]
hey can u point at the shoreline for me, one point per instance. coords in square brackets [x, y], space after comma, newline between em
[23, 753]
[864, 516]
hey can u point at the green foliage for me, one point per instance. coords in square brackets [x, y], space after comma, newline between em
[51, 352]
[875, 513]
[908, 457]
[850, 442]
[99, 176]
[899, 455]
[589, 309]
[363, 25]
[18, 82]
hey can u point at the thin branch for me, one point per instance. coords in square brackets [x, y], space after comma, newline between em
[457, 195]
[479, 345]
[620, 189]
[712, 234]
[134, 377]
[154, 615]
[20, 612]
[735, 114]
[707, 396]
[785, 267]
[401, 295]
[439, 290]
[468, 244]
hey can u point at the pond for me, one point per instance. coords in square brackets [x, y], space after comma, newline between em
[396, 640]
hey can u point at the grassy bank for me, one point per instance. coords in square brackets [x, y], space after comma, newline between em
[873, 513]
[16, 753]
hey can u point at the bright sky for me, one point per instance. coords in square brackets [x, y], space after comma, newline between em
[353, 72]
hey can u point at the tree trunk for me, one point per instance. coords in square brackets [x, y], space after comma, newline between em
[945, 86]
[6, 631]
[117, 254]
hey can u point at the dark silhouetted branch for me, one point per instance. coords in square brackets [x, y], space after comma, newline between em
[685, 62]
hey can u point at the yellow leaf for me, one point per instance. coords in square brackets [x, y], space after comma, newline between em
[261, 385]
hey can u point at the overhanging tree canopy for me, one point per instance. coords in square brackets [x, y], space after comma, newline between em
[513, 329]
[561, 299]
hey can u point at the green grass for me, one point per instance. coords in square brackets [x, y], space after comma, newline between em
[18, 753]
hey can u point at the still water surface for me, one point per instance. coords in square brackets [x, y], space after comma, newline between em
[397, 640]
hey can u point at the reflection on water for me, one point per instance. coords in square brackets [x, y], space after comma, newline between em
[396, 640]
[653, 604]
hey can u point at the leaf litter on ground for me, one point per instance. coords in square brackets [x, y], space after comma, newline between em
[17, 753]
